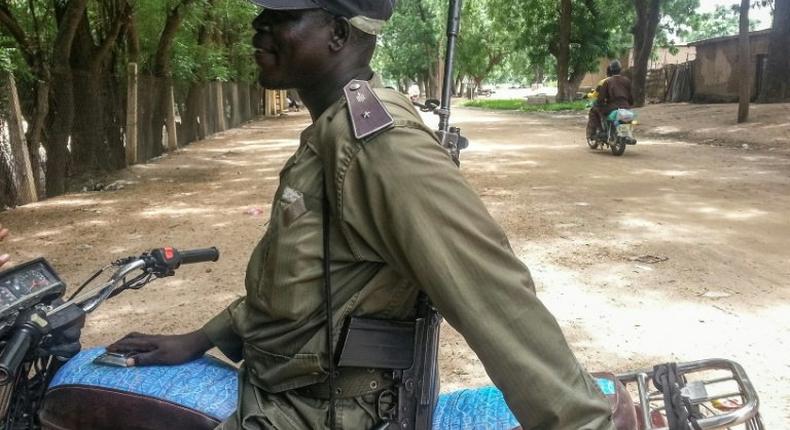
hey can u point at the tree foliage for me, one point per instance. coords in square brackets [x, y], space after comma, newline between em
[483, 45]
[74, 53]
[410, 47]
[596, 32]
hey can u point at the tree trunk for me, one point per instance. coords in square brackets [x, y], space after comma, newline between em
[132, 115]
[88, 146]
[7, 190]
[62, 98]
[23, 179]
[540, 74]
[574, 82]
[36, 129]
[648, 15]
[162, 72]
[744, 64]
[564, 50]
[776, 85]
[59, 132]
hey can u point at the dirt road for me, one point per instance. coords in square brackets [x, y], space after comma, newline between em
[714, 219]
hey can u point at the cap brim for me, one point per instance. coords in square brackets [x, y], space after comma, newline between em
[286, 4]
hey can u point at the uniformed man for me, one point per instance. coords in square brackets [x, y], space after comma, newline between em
[402, 220]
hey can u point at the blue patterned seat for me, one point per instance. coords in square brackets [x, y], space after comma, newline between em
[206, 385]
[210, 387]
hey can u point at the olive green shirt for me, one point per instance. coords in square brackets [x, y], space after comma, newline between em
[403, 220]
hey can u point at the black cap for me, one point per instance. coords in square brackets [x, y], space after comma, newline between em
[367, 15]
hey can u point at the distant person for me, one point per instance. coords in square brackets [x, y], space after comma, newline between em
[612, 93]
[294, 102]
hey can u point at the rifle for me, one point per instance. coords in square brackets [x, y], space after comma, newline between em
[450, 137]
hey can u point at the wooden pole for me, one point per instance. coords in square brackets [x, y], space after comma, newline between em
[283, 101]
[172, 137]
[221, 126]
[268, 103]
[203, 114]
[235, 106]
[744, 64]
[24, 180]
[131, 116]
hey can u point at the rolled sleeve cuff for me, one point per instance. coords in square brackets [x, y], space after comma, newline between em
[220, 332]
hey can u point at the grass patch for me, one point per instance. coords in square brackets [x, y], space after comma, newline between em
[523, 106]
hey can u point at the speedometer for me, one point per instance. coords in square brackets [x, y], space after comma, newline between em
[28, 285]
[6, 297]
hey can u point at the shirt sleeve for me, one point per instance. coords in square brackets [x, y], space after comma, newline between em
[603, 93]
[406, 202]
[221, 333]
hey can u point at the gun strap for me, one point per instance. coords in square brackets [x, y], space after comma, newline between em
[328, 302]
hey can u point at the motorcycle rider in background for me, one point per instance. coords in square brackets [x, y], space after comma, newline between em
[613, 93]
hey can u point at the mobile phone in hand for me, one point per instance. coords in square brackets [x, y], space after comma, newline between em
[113, 359]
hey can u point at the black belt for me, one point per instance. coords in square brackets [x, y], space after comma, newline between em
[351, 382]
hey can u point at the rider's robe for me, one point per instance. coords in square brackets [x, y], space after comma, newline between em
[403, 219]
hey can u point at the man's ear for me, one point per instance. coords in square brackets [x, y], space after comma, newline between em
[341, 33]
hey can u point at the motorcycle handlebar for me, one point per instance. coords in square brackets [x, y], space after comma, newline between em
[204, 255]
[14, 353]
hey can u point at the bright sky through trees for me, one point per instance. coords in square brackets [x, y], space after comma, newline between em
[761, 15]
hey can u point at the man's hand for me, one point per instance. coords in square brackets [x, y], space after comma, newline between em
[5, 258]
[150, 350]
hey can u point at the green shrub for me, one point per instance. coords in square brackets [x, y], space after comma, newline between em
[523, 106]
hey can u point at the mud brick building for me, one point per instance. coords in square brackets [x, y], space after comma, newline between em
[716, 64]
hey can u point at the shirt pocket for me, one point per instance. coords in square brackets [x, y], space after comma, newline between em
[291, 285]
[276, 373]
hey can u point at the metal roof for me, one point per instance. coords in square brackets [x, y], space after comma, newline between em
[728, 38]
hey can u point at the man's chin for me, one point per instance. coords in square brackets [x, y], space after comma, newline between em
[271, 83]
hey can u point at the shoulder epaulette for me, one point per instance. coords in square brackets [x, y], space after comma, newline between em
[368, 113]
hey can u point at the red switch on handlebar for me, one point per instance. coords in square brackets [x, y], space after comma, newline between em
[169, 254]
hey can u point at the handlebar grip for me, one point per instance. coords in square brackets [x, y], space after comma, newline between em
[14, 352]
[199, 255]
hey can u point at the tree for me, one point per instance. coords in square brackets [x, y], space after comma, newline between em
[649, 14]
[411, 45]
[483, 44]
[61, 112]
[776, 85]
[70, 57]
[744, 64]
[723, 21]
[535, 25]
[96, 140]
[564, 50]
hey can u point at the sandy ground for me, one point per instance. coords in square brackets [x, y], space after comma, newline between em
[715, 124]
[579, 218]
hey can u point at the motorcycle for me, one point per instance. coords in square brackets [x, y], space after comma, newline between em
[47, 382]
[616, 132]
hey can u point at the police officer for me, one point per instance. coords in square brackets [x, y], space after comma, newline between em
[402, 220]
